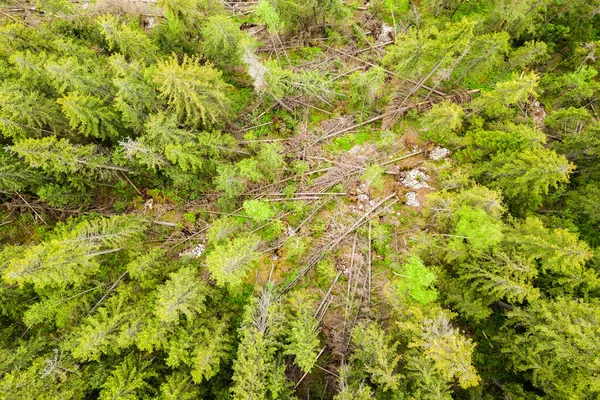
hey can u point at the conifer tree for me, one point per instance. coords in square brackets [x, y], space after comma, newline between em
[557, 341]
[376, 355]
[90, 116]
[228, 263]
[27, 113]
[128, 379]
[196, 94]
[131, 43]
[450, 352]
[417, 281]
[135, 97]
[71, 257]
[223, 42]
[256, 374]
[183, 293]
[79, 165]
[303, 334]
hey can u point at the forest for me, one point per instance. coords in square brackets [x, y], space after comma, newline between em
[316, 199]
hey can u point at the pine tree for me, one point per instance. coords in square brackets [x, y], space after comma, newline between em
[526, 177]
[255, 372]
[79, 165]
[228, 263]
[196, 94]
[183, 293]
[128, 380]
[376, 355]
[135, 97]
[69, 74]
[27, 114]
[212, 351]
[303, 340]
[90, 116]
[178, 387]
[442, 122]
[450, 352]
[557, 341]
[366, 89]
[15, 176]
[72, 256]
[431, 53]
[132, 43]
[223, 42]
[513, 92]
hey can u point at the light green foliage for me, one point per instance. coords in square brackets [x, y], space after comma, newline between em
[132, 43]
[228, 181]
[513, 92]
[558, 342]
[228, 263]
[90, 116]
[442, 122]
[377, 355]
[45, 377]
[431, 51]
[248, 169]
[529, 54]
[300, 16]
[195, 93]
[222, 229]
[270, 160]
[189, 13]
[147, 255]
[366, 89]
[223, 42]
[480, 230]
[485, 58]
[303, 341]
[26, 113]
[267, 14]
[508, 141]
[15, 175]
[255, 372]
[71, 257]
[426, 381]
[282, 82]
[500, 277]
[178, 387]
[183, 293]
[561, 255]
[165, 146]
[79, 165]
[209, 354]
[576, 88]
[349, 391]
[127, 380]
[569, 121]
[526, 177]
[135, 97]
[373, 176]
[450, 351]
[70, 74]
[258, 210]
[417, 281]
[97, 337]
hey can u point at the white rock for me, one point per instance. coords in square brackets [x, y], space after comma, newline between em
[415, 179]
[194, 252]
[438, 153]
[412, 200]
